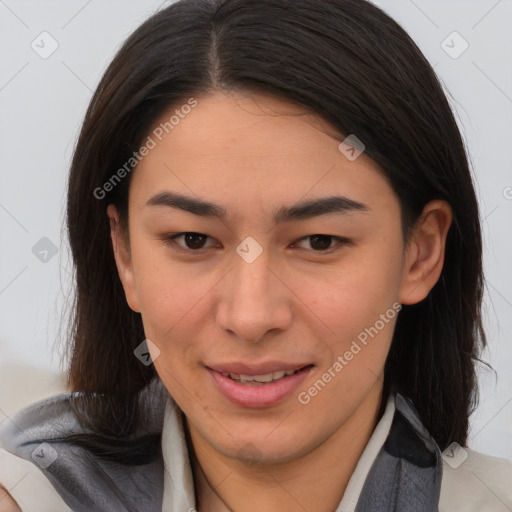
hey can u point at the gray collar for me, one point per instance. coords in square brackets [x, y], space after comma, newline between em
[400, 469]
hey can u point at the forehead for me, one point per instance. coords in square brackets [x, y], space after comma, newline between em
[250, 148]
[249, 127]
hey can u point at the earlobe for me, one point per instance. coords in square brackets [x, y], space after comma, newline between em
[123, 258]
[424, 256]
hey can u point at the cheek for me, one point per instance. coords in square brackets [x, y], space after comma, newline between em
[357, 305]
[169, 296]
[171, 310]
[352, 296]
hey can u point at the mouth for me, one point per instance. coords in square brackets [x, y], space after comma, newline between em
[259, 380]
[260, 387]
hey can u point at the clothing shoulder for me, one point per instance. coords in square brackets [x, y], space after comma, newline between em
[25, 453]
[475, 482]
[36, 441]
[28, 486]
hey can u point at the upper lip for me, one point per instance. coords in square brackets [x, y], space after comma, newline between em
[256, 368]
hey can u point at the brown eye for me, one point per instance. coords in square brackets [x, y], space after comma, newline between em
[192, 241]
[320, 242]
[324, 243]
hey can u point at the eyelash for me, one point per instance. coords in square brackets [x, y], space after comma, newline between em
[171, 241]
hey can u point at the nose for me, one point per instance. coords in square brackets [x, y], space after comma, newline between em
[255, 300]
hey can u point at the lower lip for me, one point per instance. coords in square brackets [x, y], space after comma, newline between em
[263, 395]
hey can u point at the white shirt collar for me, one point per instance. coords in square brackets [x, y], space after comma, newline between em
[179, 481]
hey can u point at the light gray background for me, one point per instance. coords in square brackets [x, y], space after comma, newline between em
[42, 103]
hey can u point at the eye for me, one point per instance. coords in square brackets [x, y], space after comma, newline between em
[194, 242]
[322, 243]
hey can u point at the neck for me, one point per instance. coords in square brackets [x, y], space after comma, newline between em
[315, 481]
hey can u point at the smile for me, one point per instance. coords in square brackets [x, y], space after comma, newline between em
[259, 390]
[259, 379]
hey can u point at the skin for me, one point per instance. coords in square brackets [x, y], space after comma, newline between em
[252, 154]
[7, 503]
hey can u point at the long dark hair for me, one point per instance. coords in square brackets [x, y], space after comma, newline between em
[344, 60]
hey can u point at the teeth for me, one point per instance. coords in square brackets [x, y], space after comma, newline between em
[268, 377]
[260, 379]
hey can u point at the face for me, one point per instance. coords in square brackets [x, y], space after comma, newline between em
[292, 276]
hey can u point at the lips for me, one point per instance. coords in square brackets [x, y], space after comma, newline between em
[258, 386]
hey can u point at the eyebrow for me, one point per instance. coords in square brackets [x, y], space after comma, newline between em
[299, 211]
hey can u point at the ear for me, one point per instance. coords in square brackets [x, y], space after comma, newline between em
[424, 255]
[123, 258]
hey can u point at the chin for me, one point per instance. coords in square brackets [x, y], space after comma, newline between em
[258, 449]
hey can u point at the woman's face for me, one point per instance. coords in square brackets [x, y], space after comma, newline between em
[254, 291]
